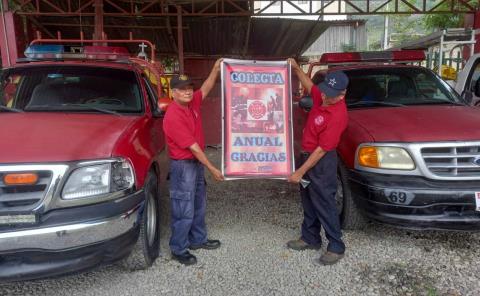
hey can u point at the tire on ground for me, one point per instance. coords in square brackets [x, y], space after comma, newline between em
[147, 249]
[350, 218]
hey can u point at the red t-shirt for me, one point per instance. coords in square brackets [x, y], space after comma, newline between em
[325, 124]
[183, 128]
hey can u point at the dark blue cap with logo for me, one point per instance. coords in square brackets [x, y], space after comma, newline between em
[334, 84]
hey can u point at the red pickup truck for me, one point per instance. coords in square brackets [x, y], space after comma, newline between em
[81, 132]
[410, 155]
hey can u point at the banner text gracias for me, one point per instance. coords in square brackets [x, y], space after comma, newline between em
[259, 156]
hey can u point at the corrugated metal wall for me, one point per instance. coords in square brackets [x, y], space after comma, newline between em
[338, 34]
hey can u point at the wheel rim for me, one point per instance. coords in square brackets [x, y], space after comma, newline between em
[339, 196]
[151, 219]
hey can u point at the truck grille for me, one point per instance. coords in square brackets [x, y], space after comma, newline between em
[452, 161]
[24, 197]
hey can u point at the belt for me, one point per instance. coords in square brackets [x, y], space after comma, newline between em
[193, 160]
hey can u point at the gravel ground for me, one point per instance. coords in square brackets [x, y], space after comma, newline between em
[254, 219]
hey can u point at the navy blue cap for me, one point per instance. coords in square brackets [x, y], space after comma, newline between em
[334, 84]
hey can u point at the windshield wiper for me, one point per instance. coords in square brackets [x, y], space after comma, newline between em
[9, 109]
[363, 103]
[81, 107]
[439, 103]
[89, 107]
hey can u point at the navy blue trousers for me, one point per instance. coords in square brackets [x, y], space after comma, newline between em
[319, 208]
[188, 205]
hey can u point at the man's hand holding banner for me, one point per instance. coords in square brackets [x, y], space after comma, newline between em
[257, 119]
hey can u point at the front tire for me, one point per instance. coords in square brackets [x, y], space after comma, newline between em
[147, 247]
[350, 216]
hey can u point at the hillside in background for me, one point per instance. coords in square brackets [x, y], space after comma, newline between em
[400, 28]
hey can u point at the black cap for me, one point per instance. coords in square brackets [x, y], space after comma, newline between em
[179, 81]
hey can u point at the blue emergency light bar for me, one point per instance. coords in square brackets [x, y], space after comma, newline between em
[44, 51]
[41, 51]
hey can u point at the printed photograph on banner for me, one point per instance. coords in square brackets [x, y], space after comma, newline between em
[260, 110]
[257, 129]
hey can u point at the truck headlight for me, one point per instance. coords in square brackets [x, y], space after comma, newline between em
[98, 179]
[384, 157]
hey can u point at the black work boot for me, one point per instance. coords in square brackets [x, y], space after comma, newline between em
[185, 258]
[210, 244]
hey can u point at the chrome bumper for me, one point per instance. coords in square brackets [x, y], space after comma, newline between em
[69, 236]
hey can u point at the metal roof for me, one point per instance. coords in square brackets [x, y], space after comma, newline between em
[137, 8]
[206, 36]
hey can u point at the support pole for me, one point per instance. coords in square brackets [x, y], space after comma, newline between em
[6, 62]
[8, 42]
[385, 32]
[247, 37]
[440, 58]
[476, 27]
[98, 19]
[471, 21]
[5, 6]
[180, 39]
[472, 45]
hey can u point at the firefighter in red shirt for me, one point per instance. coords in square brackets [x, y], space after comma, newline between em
[325, 124]
[184, 136]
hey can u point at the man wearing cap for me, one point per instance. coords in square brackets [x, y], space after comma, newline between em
[325, 124]
[184, 136]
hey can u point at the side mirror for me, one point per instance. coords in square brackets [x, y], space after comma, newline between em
[162, 106]
[306, 103]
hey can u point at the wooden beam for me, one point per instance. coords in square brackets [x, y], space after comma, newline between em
[180, 40]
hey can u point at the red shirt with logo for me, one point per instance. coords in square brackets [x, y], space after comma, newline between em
[325, 124]
[183, 127]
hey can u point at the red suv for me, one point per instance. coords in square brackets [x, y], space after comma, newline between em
[410, 155]
[79, 173]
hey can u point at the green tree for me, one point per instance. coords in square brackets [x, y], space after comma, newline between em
[403, 27]
[375, 45]
[435, 22]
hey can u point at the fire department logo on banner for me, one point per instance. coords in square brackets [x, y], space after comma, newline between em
[257, 110]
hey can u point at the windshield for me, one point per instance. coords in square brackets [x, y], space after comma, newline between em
[70, 88]
[397, 87]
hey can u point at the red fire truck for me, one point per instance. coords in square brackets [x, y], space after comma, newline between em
[79, 169]
[410, 155]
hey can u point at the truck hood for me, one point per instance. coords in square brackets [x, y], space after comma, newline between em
[419, 123]
[59, 137]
